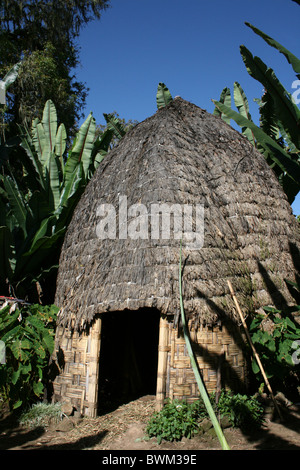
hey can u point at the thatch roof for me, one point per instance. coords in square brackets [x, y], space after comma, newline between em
[181, 155]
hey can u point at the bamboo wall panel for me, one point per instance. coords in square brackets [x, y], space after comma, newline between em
[78, 380]
[210, 345]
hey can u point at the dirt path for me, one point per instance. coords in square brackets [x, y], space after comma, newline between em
[123, 429]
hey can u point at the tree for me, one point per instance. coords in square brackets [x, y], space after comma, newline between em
[43, 34]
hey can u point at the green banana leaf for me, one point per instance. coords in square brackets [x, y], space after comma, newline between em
[70, 196]
[49, 123]
[36, 177]
[114, 124]
[241, 102]
[82, 149]
[225, 98]
[285, 109]
[268, 119]
[71, 187]
[101, 147]
[163, 96]
[276, 153]
[43, 244]
[60, 143]
[54, 179]
[16, 201]
[43, 230]
[38, 137]
[291, 58]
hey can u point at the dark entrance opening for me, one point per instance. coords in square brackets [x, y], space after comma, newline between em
[128, 357]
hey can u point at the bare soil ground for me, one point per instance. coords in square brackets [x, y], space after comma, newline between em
[124, 429]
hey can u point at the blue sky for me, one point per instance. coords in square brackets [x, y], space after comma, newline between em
[191, 46]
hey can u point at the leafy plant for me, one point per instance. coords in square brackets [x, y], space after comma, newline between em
[28, 334]
[176, 420]
[273, 335]
[37, 201]
[277, 138]
[180, 419]
[243, 411]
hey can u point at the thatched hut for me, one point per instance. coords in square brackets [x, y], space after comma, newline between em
[119, 324]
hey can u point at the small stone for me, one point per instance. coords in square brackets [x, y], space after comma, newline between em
[65, 425]
[225, 422]
[205, 425]
[67, 409]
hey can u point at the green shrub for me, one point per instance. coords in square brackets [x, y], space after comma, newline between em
[179, 419]
[176, 420]
[242, 410]
[275, 345]
[28, 334]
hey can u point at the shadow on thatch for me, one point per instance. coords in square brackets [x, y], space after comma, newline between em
[278, 299]
[295, 255]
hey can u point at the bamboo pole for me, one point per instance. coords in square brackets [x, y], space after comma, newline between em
[162, 363]
[253, 348]
[93, 369]
[194, 364]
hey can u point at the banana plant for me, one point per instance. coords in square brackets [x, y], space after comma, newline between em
[278, 137]
[36, 210]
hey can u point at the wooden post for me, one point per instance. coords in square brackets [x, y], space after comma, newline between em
[93, 369]
[253, 349]
[163, 348]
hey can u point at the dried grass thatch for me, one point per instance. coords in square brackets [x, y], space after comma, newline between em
[181, 155]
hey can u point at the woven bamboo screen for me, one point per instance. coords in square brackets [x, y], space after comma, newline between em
[78, 380]
[220, 357]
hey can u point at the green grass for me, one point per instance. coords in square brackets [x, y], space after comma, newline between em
[41, 415]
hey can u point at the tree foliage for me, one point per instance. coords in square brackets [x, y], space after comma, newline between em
[43, 34]
[27, 331]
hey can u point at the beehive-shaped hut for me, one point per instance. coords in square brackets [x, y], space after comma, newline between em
[183, 174]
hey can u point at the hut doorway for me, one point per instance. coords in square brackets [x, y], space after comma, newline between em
[128, 357]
